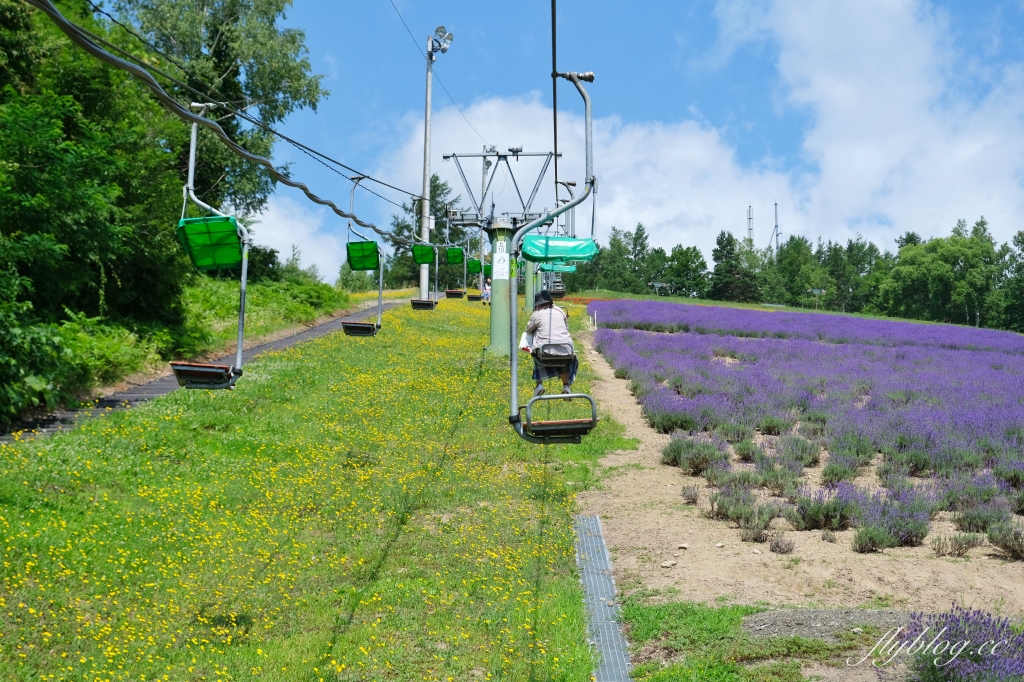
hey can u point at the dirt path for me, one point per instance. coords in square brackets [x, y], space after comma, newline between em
[645, 522]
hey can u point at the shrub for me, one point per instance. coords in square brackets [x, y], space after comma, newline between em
[853, 447]
[839, 468]
[872, 539]
[957, 545]
[1017, 502]
[780, 544]
[667, 422]
[694, 455]
[982, 517]
[106, 352]
[37, 369]
[773, 426]
[691, 494]
[965, 625]
[1008, 537]
[746, 449]
[732, 503]
[826, 509]
[898, 519]
[964, 491]
[780, 481]
[828, 535]
[915, 462]
[1010, 472]
[741, 479]
[735, 433]
[755, 527]
[801, 450]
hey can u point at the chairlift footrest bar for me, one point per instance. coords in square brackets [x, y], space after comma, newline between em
[360, 328]
[204, 376]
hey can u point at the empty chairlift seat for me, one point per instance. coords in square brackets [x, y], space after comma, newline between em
[423, 254]
[362, 256]
[212, 243]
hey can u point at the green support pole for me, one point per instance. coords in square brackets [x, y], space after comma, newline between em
[501, 273]
[529, 277]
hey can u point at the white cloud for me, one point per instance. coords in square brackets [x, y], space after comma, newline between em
[680, 180]
[894, 142]
[319, 235]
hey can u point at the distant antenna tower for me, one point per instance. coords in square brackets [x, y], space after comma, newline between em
[775, 232]
[776, 228]
[750, 223]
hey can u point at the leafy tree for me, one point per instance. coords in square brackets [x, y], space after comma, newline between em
[238, 54]
[687, 272]
[354, 282]
[264, 264]
[400, 270]
[731, 280]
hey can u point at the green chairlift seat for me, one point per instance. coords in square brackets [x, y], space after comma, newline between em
[556, 267]
[365, 255]
[212, 243]
[454, 256]
[474, 267]
[552, 249]
[422, 254]
[487, 269]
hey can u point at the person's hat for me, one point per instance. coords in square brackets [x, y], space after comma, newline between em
[542, 297]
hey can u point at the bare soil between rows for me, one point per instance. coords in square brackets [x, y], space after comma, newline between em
[645, 521]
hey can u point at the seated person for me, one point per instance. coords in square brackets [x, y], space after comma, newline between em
[549, 324]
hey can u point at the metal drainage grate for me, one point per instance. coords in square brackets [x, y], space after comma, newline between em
[599, 596]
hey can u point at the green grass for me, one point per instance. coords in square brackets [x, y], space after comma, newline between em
[211, 305]
[356, 509]
[701, 642]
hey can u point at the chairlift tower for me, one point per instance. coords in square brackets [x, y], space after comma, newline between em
[750, 223]
[439, 42]
[495, 226]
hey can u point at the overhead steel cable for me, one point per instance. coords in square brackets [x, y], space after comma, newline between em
[443, 87]
[79, 37]
[226, 105]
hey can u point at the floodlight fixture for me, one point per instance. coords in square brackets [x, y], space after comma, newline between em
[442, 39]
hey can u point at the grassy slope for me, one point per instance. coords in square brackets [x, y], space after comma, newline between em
[355, 509]
[708, 644]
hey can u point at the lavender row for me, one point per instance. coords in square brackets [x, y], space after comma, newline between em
[839, 329]
[959, 409]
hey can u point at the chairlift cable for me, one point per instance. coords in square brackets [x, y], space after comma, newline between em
[225, 105]
[81, 38]
[554, 91]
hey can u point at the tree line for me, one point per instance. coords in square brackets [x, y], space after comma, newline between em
[91, 171]
[963, 278]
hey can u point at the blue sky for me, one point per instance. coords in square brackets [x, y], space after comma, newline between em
[863, 117]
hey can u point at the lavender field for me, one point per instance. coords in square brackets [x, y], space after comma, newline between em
[754, 398]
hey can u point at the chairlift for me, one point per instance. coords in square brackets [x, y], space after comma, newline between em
[552, 249]
[424, 254]
[216, 242]
[362, 256]
[455, 256]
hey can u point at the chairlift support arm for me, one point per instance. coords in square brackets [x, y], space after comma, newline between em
[514, 417]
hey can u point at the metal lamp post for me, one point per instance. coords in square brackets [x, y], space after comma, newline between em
[439, 42]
